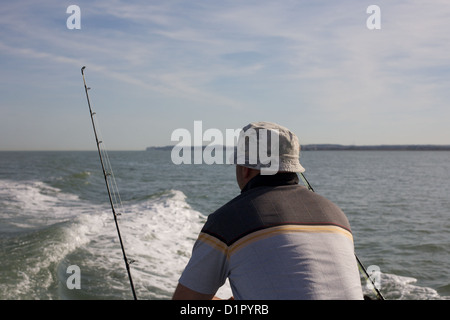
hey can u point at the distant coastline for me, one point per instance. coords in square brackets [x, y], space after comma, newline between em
[339, 147]
[406, 147]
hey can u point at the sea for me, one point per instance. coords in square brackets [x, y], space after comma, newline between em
[58, 239]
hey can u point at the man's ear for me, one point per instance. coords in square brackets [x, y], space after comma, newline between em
[249, 173]
[246, 172]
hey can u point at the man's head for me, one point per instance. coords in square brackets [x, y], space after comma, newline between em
[266, 148]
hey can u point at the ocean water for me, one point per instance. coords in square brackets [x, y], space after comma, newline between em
[55, 213]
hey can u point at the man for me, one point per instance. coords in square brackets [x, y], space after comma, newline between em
[277, 239]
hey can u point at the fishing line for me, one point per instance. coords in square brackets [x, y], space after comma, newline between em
[111, 185]
[360, 265]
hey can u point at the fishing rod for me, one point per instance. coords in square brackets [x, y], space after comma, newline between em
[360, 265]
[111, 186]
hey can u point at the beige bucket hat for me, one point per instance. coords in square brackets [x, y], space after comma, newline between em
[268, 147]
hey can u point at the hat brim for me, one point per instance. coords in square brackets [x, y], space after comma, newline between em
[284, 165]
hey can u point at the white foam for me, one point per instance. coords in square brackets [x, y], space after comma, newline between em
[36, 256]
[28, 204]
[159, 234]
[405, 288]
[164, 231]
[56, 224]
[395, 287]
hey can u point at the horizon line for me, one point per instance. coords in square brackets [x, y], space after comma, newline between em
[302, 146]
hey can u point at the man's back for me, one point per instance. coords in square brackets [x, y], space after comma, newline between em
[276, 240]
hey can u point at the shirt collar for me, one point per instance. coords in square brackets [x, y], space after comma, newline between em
[279, 179]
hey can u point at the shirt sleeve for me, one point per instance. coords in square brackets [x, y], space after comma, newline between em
[207, 269]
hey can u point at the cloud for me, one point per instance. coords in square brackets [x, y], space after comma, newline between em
[286, 60]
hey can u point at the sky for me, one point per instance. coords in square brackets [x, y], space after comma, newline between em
[157, 66]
